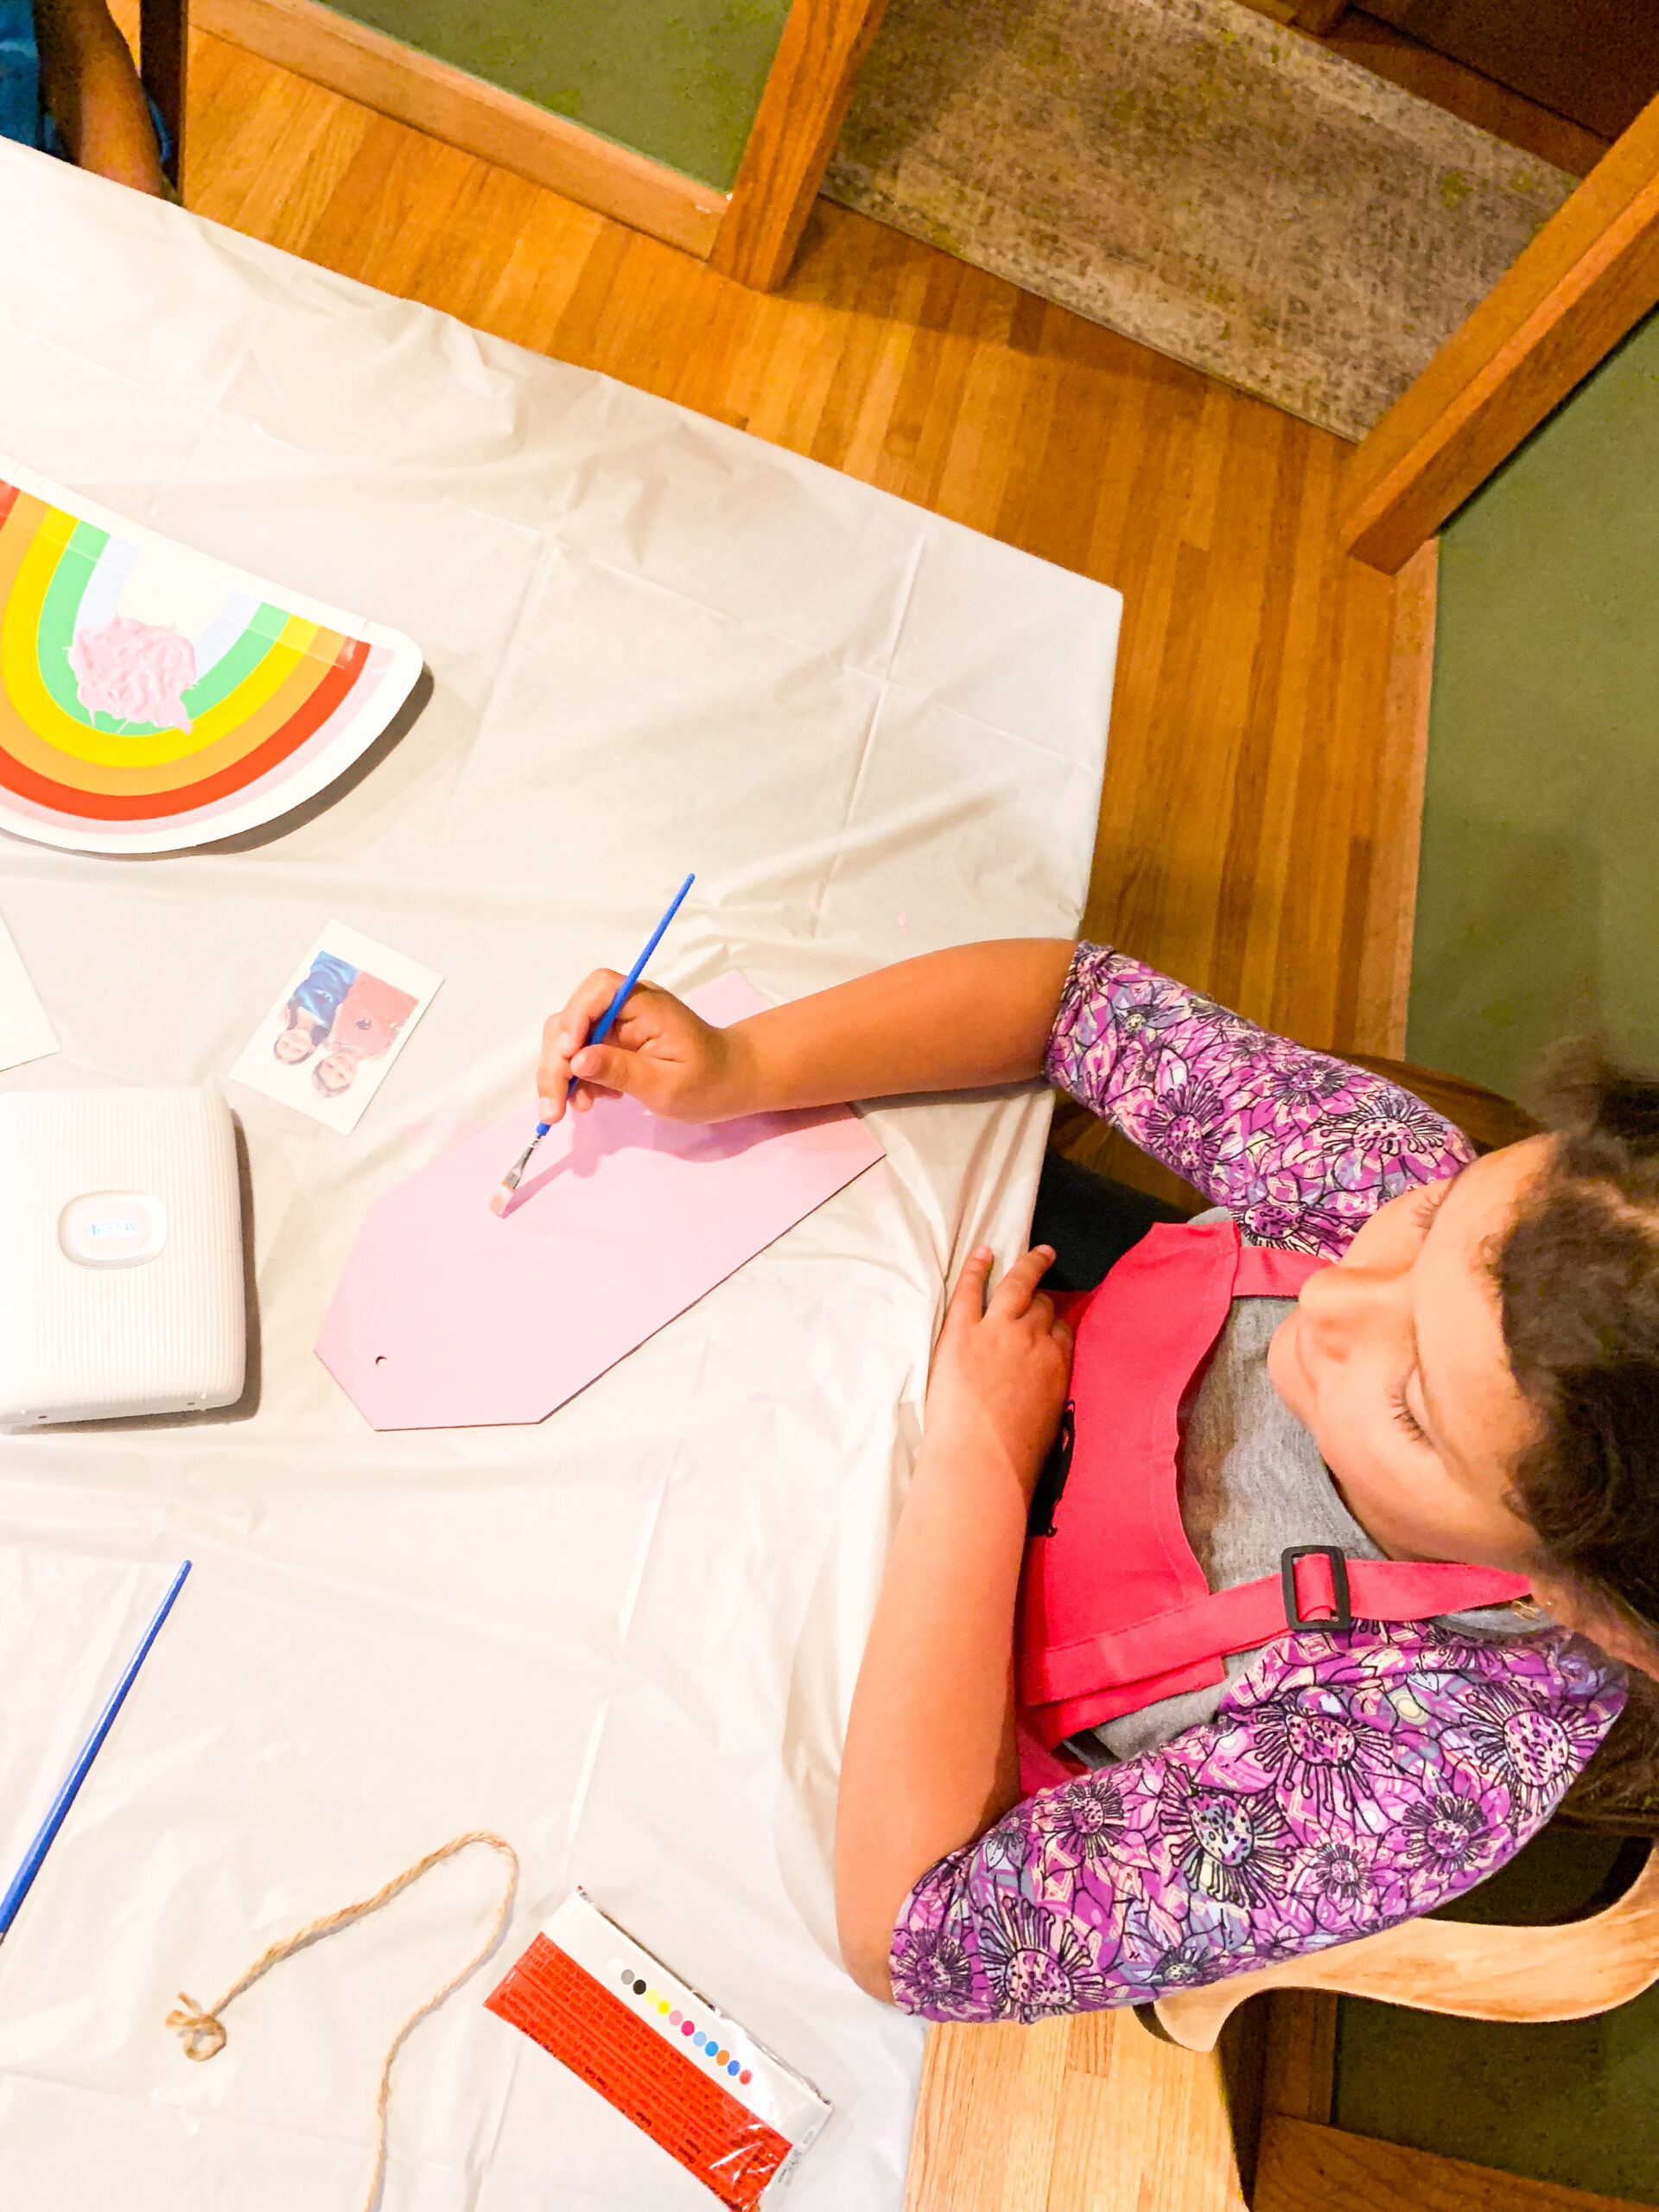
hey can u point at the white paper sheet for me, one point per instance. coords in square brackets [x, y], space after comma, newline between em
[25, 1031]
[627, 1638]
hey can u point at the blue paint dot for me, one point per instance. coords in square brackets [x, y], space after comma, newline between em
[731, 2066]
[697, 2042]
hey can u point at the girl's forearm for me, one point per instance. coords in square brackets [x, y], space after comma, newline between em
[930, 1757]
[952, 1021]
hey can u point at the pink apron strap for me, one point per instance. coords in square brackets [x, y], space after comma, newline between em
[1265, 1272]
[1255, 1612]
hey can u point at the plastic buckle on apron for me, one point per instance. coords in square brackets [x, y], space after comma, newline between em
[1045, 1499]
[1294, 1618]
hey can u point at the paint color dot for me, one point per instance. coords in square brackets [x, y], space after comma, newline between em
[662, 2004]
[686, 2027]
[731, 2066]
[674, 2018]
[744, 2078]
[638, 1988]
[627, 1973]
[720, 2057]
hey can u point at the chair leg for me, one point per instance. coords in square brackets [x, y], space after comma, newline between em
[163, 44]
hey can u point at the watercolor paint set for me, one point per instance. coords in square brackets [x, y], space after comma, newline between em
[681, 2069]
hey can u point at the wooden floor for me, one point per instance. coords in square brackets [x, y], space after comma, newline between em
[1258, 830]
[1249, 836]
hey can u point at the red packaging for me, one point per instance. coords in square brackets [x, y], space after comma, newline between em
[683, 2072]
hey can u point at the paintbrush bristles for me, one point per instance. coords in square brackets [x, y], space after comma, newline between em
[509, 1182]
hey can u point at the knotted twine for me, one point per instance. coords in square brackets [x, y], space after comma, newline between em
[202, 2031]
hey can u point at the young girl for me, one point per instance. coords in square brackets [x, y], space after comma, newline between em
[1235, 1768]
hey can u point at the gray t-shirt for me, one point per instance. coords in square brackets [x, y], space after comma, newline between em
[1250, 1484]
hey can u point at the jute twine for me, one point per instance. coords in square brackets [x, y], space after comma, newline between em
[202, 2031]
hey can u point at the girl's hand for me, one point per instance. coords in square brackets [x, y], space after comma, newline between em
[659, 1052]
[1001, 1371]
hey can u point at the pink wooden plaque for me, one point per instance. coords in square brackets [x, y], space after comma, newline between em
[448, 1318]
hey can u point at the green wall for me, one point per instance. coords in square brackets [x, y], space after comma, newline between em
[1538, 905]
[678, 79]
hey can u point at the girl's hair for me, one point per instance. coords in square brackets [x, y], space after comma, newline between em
[1577, 1276]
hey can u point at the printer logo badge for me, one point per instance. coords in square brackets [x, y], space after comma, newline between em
[111, 1229]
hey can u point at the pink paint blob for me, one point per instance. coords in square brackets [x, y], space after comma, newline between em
[138, 672]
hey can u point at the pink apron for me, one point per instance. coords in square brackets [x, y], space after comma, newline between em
[1114, 1612]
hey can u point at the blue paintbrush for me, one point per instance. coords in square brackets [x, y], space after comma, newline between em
[511, 1180]
[89, 1751]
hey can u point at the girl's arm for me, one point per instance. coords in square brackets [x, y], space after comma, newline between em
[930, 1760]
[952, 1021]
[1230, 1848]
[1300, 1146]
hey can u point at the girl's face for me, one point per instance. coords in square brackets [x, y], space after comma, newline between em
[296, 1043]
[1395, 1359]
[335, 1072]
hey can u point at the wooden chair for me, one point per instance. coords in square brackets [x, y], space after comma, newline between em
[1475, 1972]
[163, 46]
[1471, 1971]
[1091, 2115]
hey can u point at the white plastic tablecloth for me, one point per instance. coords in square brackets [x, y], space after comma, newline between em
[627, 1638]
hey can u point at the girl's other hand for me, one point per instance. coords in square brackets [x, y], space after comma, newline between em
[659, 1052]
[1001, 1371]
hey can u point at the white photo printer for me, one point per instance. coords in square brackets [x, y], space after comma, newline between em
[120, 1254]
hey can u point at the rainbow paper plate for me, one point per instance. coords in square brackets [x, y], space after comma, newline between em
[152, 698]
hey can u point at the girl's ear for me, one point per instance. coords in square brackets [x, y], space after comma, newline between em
[1573, 1608]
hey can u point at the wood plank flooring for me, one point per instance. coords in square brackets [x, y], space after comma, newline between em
[1252, 837]
[1245, 817]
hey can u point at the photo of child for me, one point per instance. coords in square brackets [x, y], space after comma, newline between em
[312, 1009]
[327, 1045]
[368, 1024]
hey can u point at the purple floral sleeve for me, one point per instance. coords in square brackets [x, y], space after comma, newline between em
[1347, 1782]
[1302, 1147]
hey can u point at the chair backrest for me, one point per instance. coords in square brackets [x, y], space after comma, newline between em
[1459, 1966]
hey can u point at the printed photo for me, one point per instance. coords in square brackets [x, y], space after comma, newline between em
[327, 1045]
